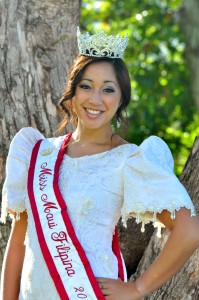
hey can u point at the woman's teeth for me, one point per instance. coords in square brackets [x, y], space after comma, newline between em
[94, 112]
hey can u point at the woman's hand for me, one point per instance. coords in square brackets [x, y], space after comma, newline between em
[115, 289]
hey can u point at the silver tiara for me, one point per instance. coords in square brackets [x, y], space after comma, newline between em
[101, 44]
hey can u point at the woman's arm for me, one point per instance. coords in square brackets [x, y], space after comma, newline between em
[182, 242]
[13, 260]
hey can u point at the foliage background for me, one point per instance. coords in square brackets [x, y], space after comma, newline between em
[162, 103]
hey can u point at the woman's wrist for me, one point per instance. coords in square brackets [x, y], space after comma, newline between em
[140, 288]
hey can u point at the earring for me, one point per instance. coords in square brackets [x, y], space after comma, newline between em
[118, 124]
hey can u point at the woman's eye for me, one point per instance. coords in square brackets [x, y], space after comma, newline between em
[84, 86]
[109, 90]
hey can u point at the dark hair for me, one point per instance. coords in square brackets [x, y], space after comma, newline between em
[75, 76]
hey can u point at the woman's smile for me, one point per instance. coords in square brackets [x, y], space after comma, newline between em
[93, 113]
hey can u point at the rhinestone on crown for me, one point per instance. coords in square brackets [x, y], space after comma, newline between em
[101, 44]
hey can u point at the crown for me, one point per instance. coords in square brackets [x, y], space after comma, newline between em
[101, 44]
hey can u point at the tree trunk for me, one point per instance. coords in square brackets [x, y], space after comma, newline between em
[133, 243]
[187, 17]
[38, 45]
[185, 285]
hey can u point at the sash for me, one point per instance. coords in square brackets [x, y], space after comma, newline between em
[64, 256]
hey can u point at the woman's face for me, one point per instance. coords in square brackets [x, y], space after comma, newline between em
[97, 96]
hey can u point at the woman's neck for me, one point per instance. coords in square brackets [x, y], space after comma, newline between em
[89, 142]
[89, 136]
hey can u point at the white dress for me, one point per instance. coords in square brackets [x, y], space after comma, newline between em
[98, 190]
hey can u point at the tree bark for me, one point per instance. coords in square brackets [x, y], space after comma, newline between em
[184, 285]
[187, 17]
[133, 243]
[38, 45]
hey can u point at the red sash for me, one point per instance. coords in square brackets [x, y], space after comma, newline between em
[64, 256]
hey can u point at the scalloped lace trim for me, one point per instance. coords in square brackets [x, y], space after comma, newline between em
[145, 218]
[5, 213]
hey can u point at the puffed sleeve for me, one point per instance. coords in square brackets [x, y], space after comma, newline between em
[14, 188]
[150, 186]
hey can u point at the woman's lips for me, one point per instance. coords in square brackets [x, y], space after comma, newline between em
[93, 113]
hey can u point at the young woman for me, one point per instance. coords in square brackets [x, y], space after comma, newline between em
[67, 194]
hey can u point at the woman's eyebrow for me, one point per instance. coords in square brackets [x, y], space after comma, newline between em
[87, 79]
[105, 81]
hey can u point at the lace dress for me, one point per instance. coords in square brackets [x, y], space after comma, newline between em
[98, 190]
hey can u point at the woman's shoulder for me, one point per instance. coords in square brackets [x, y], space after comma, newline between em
[150, 140]
[154, 142]
[153, 149]
[157, 150]
[23, 142]
[27, 135]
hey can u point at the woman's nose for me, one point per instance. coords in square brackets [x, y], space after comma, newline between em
[96, 97]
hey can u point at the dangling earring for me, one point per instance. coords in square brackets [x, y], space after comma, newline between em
[118, 124]
[118, 120]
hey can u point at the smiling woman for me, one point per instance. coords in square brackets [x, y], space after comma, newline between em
[74, 188]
